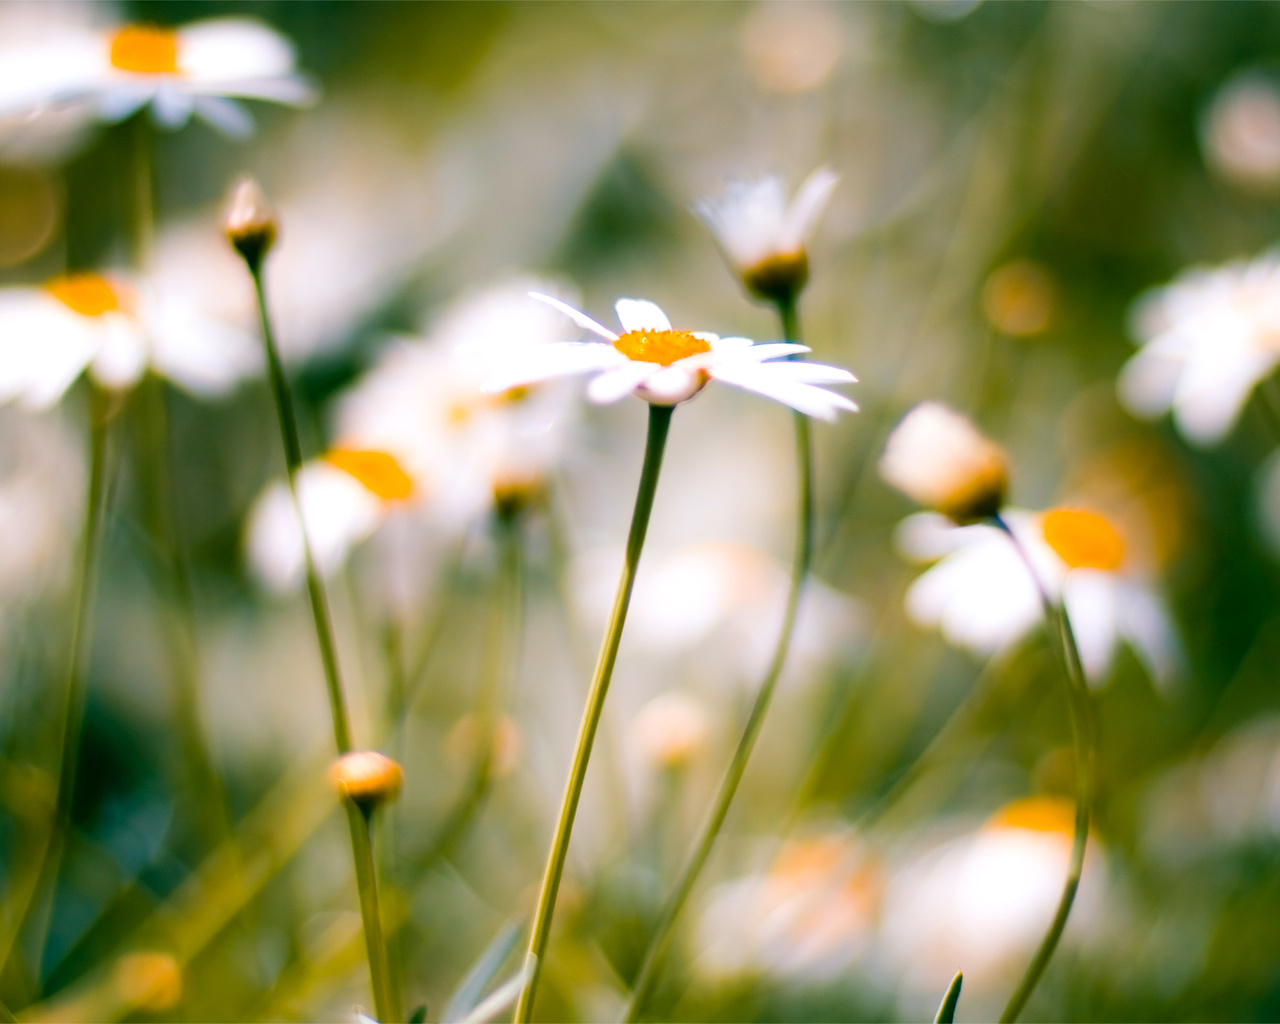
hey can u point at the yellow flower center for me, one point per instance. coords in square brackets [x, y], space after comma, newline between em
[1084, 540]
[1039, 814]
[87, 294]
[661, 347]
[378, 471]
[145, 49]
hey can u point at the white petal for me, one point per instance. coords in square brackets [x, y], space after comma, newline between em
[544, 362]
[1147, 625]
[641, 315]
[171, 107]
[773, 350]
[672, 384]
[578, 317]
[1092, 602]
[227, 116]
[812, 373]
[118, 102]
[617, 383]
[223, 50]
[202, 356]
[808, 205]
[805, 398]
[121, 359]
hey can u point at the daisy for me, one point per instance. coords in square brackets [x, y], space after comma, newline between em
[665, 366]
[981, 596]
[763, 236]
[938, 458]
[118, 327]
[1207, 339]
[196, 69]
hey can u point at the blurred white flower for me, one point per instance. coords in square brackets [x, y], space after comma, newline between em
[936, 457]
[417, 435]
[981, 596]
[196, 69]
[809, 916]
[671, 730]
[666, 366]
[118, 327]
[763, 236]
[1241, 131]
[982, 901]
[1208, 339]
[792, 47]
[344, 497]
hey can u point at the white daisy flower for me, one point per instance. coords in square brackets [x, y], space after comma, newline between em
[982, 901]
[938, 458]
[199, 69]
[417, 434]
[665, 366]
[980, 595]
[1208, 339]
[117, 327]
[763, 236]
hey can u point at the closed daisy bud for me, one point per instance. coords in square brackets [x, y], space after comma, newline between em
[939, 459]
[251, 223]
[367, 778]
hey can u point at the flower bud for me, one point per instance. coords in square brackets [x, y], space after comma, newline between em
[251, 223]
[779, 278]
[938, 458]
[367, 778]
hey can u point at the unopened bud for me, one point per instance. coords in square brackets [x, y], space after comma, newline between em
[251, 223]
[367, 778]
[778, 278]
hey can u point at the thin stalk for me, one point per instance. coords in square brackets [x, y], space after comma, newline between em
[50, 857]
[659, 424]
[386, 1001]
[649, 967]
[1082, 735]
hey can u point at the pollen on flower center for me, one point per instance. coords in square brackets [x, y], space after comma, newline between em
[661, 347]
[1084, 540]
[1038, 814]
[145, 49]
[86, 294]
[379, 472]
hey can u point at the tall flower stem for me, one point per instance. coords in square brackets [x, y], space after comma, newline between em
[1082, 731]
[659, 425]
[385, 1000]
[73, 696]
[650, 965]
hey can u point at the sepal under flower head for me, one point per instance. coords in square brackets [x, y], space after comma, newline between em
[938, 458]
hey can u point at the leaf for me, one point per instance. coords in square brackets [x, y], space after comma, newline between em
[469, 991]
[947, 1011]
[419, 1015]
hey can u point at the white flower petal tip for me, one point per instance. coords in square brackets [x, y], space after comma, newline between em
[939, 459]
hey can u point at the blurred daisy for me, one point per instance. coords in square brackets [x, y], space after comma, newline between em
[1241, 132]
[118, 327]
[809, 916]
[763, 236]
[671, 730]
[983, 901]
[938, 458]
[980, 595]
[665, 366]
[1208, 339]
[417, 434]
[199, 69]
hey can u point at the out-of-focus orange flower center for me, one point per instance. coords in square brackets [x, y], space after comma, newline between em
[1038, 814]
[661, 347]
[378, 471]
[87, 294]
[145, 49]
[1084, 540]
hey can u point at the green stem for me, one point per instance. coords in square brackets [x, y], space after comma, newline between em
[1081, 710]
[385, 1000]
[659, 424]
[649, 967]
[144, 221]
[293, 461]
[50, 858]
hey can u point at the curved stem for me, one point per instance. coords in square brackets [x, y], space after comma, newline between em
[647, 976]
[1082, 735]
[386, 1002]
[50, 857]
[659, 424]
